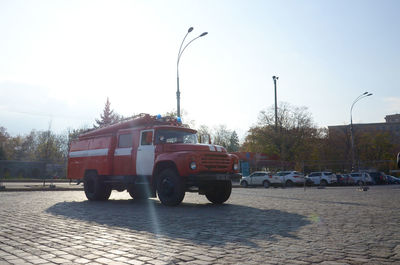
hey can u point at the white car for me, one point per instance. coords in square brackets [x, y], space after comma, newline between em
[258, 178]
[322, 178]
[288, 178]
[361, 178]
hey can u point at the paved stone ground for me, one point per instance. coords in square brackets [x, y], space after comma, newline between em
[257, 226]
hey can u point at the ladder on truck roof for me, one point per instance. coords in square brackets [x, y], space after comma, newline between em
[131, 122]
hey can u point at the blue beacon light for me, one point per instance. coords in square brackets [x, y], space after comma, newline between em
[158, 116]
[179, 120]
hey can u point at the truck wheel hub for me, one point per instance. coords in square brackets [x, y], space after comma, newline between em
[167, 186]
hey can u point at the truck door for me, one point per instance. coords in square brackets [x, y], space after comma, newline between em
[123, 155]
[145, 154]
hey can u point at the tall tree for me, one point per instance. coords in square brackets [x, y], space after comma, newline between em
[374, 146]
[4, 136]
[222, 136]
[50, 147]
[233, 143]
[293, 140]
[204, 134]
[108, 117]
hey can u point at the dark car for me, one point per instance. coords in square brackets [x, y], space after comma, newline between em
[341, 180]
[378, 178]
[344, 179]
[392, 180]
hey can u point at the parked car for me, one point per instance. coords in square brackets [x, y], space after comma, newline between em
[378, 177]
[361, 178]
[348, 179]
[344, 179]
[257, 178]
[288, 178]
[392, 180]
[322, 178]
[341, 179]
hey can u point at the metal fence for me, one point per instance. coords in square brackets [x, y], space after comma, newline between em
[29, 169]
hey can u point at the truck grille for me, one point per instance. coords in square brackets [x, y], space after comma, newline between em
[218, 162]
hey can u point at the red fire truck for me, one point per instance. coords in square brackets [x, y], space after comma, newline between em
[149, 155]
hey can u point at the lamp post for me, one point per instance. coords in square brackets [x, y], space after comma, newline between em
[178, 93]
[276, 107]
[363, 95]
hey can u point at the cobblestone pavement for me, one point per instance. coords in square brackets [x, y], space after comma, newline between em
[338, 225]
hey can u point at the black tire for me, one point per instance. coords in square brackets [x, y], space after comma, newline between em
[139, 193]
[219, 192]
[360, 183]
[95, 189]
[244, 184]
[266, 184]
[323, 183]
[289, 183]
[170, 187]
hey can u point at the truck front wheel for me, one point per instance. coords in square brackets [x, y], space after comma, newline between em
[95, 189]
[220, 192]
[170, 187]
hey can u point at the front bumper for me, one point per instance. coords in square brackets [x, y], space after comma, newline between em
[198, 179]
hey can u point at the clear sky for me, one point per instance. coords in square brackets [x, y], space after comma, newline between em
[60, 60]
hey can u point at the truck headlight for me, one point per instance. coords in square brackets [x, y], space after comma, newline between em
[193, 165]
[235, 166]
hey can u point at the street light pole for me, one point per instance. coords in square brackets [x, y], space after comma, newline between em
[276, 107]
[363, 95]
[178, 93]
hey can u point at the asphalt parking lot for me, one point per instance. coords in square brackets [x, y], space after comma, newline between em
[335, 225]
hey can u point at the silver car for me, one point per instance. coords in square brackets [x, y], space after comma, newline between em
[361, 178]
[288, 178]
[258, 178]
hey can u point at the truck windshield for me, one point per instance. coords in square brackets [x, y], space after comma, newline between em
[170, 136]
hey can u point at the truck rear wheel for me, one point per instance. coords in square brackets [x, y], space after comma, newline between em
[220, 192]
[95, 189]
[170, 187]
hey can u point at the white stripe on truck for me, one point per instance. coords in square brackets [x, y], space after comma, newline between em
[87, 153]
[214, 148]
[123, 151]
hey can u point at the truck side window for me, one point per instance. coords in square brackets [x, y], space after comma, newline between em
[147, 138]
[125, 140]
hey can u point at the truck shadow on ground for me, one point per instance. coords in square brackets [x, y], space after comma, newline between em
[200, 223]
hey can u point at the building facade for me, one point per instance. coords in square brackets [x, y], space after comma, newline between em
[391, 126]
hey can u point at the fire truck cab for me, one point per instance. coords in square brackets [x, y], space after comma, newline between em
[149, 156]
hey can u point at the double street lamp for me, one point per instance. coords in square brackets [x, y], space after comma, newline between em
[363, 95]
[178, 93]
